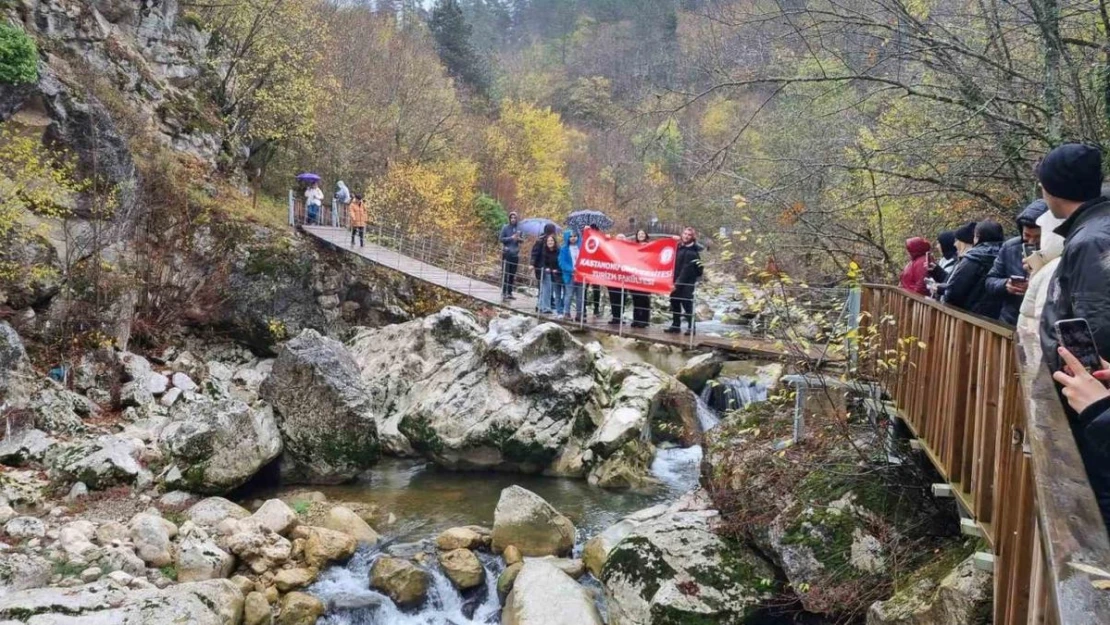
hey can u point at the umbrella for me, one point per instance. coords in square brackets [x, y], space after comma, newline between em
[533, 226]
[308, 178]
[580, 219]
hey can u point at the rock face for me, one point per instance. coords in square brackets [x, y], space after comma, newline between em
[962, 597]
[19, 571]
[212, 602]
[12, 355]
[404, 582]
[100, 463]
[673, 567]
[544, 595]
[25, 446]
[324, 411]
[523, 519]
[471, 399]
[219, 445]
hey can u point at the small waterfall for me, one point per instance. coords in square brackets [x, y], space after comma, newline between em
[707, 419]
[350, 601]
[725, 394]
[678, 468]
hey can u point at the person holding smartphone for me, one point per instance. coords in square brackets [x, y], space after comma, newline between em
[1086, 394]
[1007, 280]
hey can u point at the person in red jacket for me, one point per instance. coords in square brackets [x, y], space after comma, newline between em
[913, 276]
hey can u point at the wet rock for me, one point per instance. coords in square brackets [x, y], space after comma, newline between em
[523, 519]
[298, 608]
[197, 557]
[506, 579]
[220, 444]
[25, 446]
[21, 571]
[294, 579]
[597, 548]
[402, 581]
[628, 467]
[700, 369]
[962, 597]
[460, 538]
[675, 566]
[342, 519]
[209, 512]
[151, 539]
[324, 411]
[512, 555]
[543, 595]
[100, 463]
[213, 602]
[572, 567]
[463, 568]
[25, 528]
[323, 546]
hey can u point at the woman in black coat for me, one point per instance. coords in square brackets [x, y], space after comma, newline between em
[687, 271]
[641, 300]
[966, 287]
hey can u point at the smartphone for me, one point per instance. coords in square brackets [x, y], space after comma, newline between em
[1019, 279]
[1076, 336]
[1027, 249]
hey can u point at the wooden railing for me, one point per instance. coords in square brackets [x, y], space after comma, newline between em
[986, 413]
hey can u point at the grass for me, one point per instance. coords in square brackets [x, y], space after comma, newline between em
[301, 507]
[169, 571]
[267, 211]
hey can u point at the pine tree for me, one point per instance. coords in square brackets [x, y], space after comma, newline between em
[452, 34]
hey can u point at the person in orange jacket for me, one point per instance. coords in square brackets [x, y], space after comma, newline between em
[358, 221]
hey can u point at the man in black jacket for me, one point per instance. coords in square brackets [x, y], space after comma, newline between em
[1009, 263]
[687, 270]
[965, 287]
[1071, 178]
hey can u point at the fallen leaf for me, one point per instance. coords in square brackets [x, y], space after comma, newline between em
[1088, 569]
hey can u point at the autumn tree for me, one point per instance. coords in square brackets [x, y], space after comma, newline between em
[528, 149]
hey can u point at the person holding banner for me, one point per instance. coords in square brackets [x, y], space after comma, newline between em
[687, 270]
[572, 296]
[641, 300]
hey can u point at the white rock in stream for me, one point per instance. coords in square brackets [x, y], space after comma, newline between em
[544, 595]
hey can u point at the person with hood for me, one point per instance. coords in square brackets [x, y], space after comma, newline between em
[568, 259]
[641, 300]
[510, 255]
[1009, 264]
[965, 288]
[687, 270]
[915, 271]
[342, 194]
[1041, 266]
[358, 221]
[551, 280]
[313, 200]
[946, 250]
[1071, 181]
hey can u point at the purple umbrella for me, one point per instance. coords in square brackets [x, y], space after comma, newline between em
[533, 226]
[308, 178]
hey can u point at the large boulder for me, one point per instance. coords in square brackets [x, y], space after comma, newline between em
[211, 511]
[20, 571]
[674, 568]
[343, 519]
[543, 595]
[59, 411]
[219, 445]
[700, 369]
[212, 602]
[324, 411]
[323, 546]
[505, 398]
[151, 537]
[102, 462]
[523, 519]
[961, 597]
[25, 446]
[597, 549]
[404, 582]
[298, 608]
[463, 568]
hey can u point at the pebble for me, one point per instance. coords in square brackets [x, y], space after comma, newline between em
[77, 491]
[57, 511]
[184, 382]
[52, 534]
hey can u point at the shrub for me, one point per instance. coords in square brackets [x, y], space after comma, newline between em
[491, 213]
[19, 58]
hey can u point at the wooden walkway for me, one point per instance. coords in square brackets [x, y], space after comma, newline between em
[490, 294]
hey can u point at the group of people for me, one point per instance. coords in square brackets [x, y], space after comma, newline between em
[351, 204]
[566, 294]
[1056, 269]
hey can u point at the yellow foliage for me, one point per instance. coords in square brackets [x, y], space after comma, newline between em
[719, 119]
[530, 145]
[428, 197]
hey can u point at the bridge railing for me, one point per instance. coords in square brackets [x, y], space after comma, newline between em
[985, 411]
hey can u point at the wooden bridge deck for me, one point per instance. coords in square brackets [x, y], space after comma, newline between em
[490, 294]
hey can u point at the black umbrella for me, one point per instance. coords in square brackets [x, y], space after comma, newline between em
[580, 219]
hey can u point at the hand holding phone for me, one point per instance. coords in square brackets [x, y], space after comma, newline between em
[1017, 285]
[1076, 336]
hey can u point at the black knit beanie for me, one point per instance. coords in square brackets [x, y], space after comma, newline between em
[1073, 172]
[966, 233]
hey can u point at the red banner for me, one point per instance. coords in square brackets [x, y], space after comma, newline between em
[624, 264]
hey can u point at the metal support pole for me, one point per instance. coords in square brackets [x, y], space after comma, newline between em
[620, 327]
[799, 411]
[292, 209]
[693, 316]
